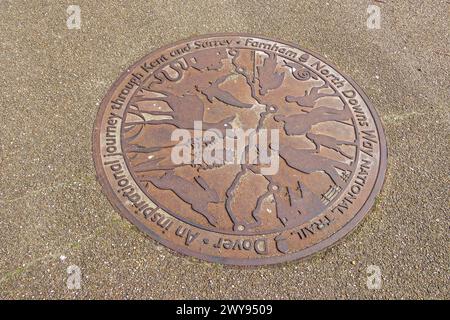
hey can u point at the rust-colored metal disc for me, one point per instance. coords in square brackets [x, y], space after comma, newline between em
[330, 153]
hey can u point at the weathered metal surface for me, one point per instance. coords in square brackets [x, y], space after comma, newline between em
[332, 150]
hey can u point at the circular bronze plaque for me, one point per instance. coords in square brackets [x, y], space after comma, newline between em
[239, 149]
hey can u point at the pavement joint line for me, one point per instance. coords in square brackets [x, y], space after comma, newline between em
[396, 117]
[48, 256]
[389, 118]
[56, 185]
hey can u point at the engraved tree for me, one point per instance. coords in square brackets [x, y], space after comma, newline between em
[294, 200]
